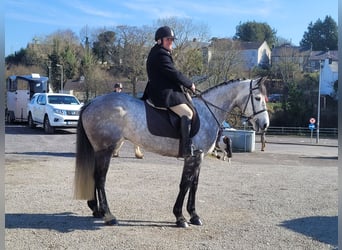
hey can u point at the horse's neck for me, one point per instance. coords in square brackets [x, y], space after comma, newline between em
[224, 96]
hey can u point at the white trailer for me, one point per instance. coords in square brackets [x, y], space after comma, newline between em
[20, 89]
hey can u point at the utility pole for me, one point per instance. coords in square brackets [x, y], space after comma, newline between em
[59, 65]
[321, 63]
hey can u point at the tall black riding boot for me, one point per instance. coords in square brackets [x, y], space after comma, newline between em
[187, 149]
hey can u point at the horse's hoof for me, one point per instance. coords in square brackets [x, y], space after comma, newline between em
[182, 224]
[196, 221]
[112, 222]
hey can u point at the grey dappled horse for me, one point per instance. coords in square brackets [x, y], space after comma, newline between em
[110, 119]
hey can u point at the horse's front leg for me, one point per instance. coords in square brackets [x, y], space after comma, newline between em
[263, 141]
[190, 173]
[101, 168]
[191, 208]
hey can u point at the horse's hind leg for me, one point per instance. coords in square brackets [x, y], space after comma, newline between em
[138, 153]
[102, 160]
[93, 205]
[117, 149]
[189, 180]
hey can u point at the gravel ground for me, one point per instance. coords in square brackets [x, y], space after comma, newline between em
[282, 198]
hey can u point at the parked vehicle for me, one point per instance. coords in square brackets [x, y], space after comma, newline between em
[20, 89]
[275, 98]
[53, 110]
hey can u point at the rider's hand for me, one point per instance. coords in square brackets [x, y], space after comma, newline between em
[193, 88]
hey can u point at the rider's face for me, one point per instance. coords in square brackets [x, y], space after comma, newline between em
[167, 43]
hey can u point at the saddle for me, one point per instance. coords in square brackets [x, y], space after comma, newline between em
[163, 122]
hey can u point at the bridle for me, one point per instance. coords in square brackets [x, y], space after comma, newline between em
[250, 97]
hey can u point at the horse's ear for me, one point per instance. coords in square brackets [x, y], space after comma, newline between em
[262, 80]
[261, 84]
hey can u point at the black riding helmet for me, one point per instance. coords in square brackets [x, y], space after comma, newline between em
[164, 31]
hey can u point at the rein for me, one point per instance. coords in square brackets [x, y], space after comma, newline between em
[207, 103]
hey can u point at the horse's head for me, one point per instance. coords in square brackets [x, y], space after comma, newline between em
[255, 110]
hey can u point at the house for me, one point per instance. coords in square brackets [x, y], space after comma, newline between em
[252, 54]
[288, 54]
[326, 63]
[328, 76]
[316, 57]
[255, 54]
[201, 46]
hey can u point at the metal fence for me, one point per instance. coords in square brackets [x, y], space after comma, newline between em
[303, 131]
[300, 131]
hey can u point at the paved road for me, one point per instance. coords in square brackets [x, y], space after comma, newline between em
[282, 198]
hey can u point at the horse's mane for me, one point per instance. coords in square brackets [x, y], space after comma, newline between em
[259, 84]
[219, 85]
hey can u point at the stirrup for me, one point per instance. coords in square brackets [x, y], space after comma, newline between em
[197, 153]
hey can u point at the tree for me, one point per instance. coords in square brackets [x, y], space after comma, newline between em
[54, 59]
[34, 54]
[299, 102]
[88, 65]
[185, 30]
[225, 62]
[321, 35]
[281, 41]
[255, 32]
[16, 58]
[192, 64]
[295, 104]
[288, 63]
[104, 47]
[62, 47]
[134, 45]
[71, 63]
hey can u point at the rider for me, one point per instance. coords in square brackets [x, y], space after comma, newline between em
[164, 88]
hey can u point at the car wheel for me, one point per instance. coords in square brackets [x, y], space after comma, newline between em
[47, 127]
[30, 121]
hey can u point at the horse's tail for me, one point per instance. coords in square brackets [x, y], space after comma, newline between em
[84, 183]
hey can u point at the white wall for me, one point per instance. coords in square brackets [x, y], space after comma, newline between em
[329, 74]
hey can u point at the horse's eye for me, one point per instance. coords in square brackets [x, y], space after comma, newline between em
[258, 98]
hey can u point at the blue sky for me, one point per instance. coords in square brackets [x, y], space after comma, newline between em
[25, 19]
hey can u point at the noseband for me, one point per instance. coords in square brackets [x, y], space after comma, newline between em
[250, 97]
